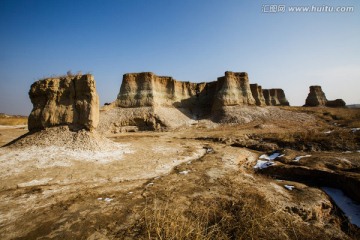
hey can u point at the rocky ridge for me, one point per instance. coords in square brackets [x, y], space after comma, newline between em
[147, 89]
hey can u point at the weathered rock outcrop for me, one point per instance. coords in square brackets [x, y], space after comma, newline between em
[70, 100]
[316, 97]
[275, 97]
[281, 97]
[154, 102]
[258, 95]
[146, 89]
[233, 90]
[335, 103]
[149, 90]
[266, 93]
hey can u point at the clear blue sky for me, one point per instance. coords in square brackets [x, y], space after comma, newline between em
[189, 40]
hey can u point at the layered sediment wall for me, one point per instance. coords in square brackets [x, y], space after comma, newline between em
[275, 97]
[70, 100]
[258, 95]
[155, 102]
[316, 97]
[149, 90]
[233, 89]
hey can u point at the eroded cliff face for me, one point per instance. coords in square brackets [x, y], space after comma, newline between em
[71, 101]
[149, 90]
[280, 95]
[275, 97]
[316, 97]
[335, 103]
[233, 90]
[258, 95]
[163, 101]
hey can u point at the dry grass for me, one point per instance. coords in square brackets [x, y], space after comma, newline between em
[346, 116]
[248, 216]
[68, 74]
[315, 140]
[13, 120]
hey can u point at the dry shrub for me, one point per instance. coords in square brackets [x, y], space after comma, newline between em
[345, 116]
[249, 216]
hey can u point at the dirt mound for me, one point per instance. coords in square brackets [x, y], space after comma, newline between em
[158, 118]
[62, 137]
[144, 118]
[246, 114]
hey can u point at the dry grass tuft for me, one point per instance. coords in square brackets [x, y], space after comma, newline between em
[249, 216]
[346, 116]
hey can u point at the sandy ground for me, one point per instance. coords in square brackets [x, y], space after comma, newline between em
[63, 172]
[54, 193]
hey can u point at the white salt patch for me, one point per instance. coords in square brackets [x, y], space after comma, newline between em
[184, 172]
[300, 157]
[355, 129]
[271, 157]
[264, 156]
[327, 132]
[35, 182]
[289, 187]
[209, 150]
[268, 160]
[261, 164]
[105, 199]
[346, 204]
[149, 184]
[347, 152]
[17, 160]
